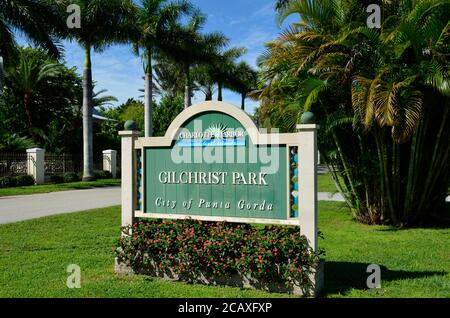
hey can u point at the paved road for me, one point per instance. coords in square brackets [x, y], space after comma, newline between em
[325, 196]
[26, 207]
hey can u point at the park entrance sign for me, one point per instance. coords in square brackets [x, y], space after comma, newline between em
[213, 164]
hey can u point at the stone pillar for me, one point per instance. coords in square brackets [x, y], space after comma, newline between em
[307, 182]
[128, 168]
[110, 162]
[35, 164]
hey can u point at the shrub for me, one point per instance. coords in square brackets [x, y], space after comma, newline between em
[57, 179]
[71, 177]
[102, 174]
[7, 182]
[24, 181]
[190, 249]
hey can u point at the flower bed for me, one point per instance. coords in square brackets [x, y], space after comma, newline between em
[271, 257]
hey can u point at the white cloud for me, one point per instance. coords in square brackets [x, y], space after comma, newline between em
[265, 11]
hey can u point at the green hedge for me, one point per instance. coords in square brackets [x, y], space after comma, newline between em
[56, 179]
[16, 181]
[192, 249]
[24, 181]
[102, 174]
[7, 182]
[71, 177]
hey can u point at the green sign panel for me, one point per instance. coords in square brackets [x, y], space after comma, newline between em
[213, 169]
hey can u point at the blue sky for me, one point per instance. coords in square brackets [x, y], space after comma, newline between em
[247, 23]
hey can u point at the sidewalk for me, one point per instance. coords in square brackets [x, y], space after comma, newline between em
[26, 207]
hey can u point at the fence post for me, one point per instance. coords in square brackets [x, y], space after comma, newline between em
[128, 171]
[307, 184]
[36, 164]
[110, 162]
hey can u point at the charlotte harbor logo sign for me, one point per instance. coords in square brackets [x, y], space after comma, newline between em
[215, 135]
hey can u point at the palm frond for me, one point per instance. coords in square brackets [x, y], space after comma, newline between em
[336, 120]
[408, 117]
[312, 91]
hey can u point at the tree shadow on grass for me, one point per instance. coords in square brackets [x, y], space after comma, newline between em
[340, 277]
[435, 222]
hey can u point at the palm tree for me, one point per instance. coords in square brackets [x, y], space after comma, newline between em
[168, 78]
[243, 80]
[155, 17]
[189, 47]
[14, 143]
[25, 77]
[203, 81]
[216, 72]
[104, 22]
[221, 67]
[386, 83]
[38, 20]
[100, 100]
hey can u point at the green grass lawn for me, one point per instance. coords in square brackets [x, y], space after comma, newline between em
[46, 188]
[414, 262]
[34, 256]
[325, 183]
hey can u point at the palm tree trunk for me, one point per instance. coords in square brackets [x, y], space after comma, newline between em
[26, 105]
[187, 88]
[219, 91]
[243, 102]
[148, 96]
[208, 94]
[88, 149]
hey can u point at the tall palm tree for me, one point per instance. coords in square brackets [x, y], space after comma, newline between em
[155, 17]
[26, 76]
[104, 22]
[221, 67]
[190, 47]
[38, 20]
[216, 73]
[243, 80]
